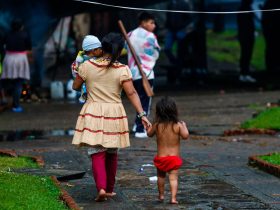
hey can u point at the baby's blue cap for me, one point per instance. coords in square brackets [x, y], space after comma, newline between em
[90, 42]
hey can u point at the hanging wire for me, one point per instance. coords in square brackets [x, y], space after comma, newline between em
[178, 11]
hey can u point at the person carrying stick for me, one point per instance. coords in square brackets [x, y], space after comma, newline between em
[146, 47]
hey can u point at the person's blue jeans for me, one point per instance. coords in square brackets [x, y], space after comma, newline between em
[17, 88]
[14, 86]
[145, 102]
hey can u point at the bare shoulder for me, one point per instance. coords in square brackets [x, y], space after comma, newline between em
[176, 127]
[183, 130]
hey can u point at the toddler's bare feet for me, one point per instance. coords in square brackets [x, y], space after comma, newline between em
[112, 194]
[101, 196]
[174, 201]
[161, 198]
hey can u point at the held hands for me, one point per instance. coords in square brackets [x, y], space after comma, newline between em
[146, 123]
[183, 123]
[143, 116]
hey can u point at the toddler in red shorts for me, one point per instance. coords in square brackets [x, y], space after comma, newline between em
[168, 130]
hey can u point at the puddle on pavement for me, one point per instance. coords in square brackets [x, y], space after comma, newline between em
[33, 134]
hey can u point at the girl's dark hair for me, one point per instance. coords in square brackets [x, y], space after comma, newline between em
[144, 16]
[113, 44]
[166, 111]
[16, 24]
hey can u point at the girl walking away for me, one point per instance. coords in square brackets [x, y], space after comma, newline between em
[102, 124]
[168, 130]
[15, 65]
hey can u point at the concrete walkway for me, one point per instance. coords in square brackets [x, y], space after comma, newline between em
[215, 174]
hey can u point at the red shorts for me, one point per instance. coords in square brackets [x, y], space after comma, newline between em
[168, 163]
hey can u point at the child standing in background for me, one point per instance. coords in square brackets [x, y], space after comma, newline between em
[147, 49]
[168, 130]
[91, 49]
[16, 70]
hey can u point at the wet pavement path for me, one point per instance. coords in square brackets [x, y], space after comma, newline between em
[215, 174]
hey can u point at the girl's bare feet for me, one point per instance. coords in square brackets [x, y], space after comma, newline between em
[101, 196]
[161, 198]
[112, 194]
[174, 202]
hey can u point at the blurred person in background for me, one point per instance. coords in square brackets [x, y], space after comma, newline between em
[178, 25]
[2, 95]
[15, 64]
[271, 31]
[246, 38]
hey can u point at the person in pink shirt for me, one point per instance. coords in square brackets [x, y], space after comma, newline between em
[147, 49]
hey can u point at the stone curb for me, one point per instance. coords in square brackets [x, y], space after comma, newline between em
[263, 165]
[70, 202]
[38, 159]
[65, 197]
[249, 131]
[9, 153]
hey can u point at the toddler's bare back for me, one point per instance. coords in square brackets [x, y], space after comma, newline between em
[168, 139]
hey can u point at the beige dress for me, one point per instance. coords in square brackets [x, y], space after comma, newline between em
[102, 120]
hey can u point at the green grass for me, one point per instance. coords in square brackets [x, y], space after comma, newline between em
[26, 192]
[20, 162]
[268, 119]
[224, 47]
[273, 158]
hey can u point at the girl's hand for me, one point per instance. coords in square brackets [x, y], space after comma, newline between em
[183, 123]
[146, 123]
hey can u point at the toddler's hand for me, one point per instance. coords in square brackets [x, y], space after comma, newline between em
[183, 123]
[146, 123]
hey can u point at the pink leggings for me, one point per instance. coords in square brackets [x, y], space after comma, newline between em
[104, 168]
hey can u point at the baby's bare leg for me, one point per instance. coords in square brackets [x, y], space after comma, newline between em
[161, 181]
[173, 180]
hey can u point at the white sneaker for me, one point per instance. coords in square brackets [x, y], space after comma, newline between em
[134, 128]
[241, 78]
[247, 78]
[141, 135]
[82, 99]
